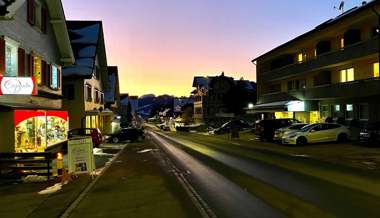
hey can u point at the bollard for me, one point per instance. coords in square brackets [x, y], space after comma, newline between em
[59, 163]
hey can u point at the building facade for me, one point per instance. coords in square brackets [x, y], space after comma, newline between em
[330, 71]
[86, 81]
[112, 93]
[34, 45]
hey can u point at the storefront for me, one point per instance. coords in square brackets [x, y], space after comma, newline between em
[37, 130]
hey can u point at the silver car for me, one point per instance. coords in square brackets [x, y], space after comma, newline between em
[279, 133]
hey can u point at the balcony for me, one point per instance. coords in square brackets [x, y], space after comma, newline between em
[354, 89]
[355, 51]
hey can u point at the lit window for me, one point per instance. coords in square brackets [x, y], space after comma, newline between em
[54, 77]
[11, 56]
[349, 107]
[342, 43]
[376, 69]
[37, 73]
[347, 75]
[349, 111]
[300, 58]
[337, 108]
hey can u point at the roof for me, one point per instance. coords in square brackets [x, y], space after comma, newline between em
[201, 81]
[87, 41]
[113, 80]
[324, 25]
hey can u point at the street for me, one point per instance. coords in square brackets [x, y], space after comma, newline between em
[311, 197]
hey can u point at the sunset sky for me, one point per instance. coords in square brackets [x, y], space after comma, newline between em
[160, 45]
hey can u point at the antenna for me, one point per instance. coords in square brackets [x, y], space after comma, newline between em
[341, 7]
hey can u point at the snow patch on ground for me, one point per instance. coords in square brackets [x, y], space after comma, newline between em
[52, 189]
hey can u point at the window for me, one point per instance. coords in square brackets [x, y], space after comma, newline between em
[69, 92]
[37, 71]
[102, 98]
[89, 93]
[290, 85]
[349, 111]
[54, 77]
[347, 75]
[302, 84]
[342, 43]
[38, 14]
[97, 96]
[376, 69]
[363, 111]
[300, 58]
[324, 111]
[336, 110]
[11, 57]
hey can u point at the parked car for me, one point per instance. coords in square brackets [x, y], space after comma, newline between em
[315, 133]
[370, 134]
[127, 134]
[96, 134]
[265, 129]
[279, 133]
[226, 127]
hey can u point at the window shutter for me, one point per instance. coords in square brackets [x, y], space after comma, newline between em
[2, 56]
[59, 77]
[48, 75]
[21, 62]
[31, 12]
[31, 65]
[43, 72]
[44, 18]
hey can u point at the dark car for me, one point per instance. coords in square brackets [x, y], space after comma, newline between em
[265, 129]
[96, 134]
[127, 134]
[370, 134]
[226, 128]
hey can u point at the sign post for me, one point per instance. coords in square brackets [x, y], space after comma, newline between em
[80, 155]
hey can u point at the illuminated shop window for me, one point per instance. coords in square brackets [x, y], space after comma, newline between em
[347, 75]
[376, 69]
[283, 115]
[342, 43]
[37, 73]
[11, 56]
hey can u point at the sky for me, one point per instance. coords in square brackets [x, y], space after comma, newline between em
[160, 45]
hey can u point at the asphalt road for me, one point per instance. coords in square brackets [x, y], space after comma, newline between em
[229, 199]
[224, 197]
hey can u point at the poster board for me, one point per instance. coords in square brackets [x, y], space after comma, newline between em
[80, 155]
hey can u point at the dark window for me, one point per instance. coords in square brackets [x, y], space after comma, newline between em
[282, 61]
[351, 37]
[69, 92]
[323, 78]
[323, 47]
[290, 85]
[89, 93]
[363, 111]
[375, 31]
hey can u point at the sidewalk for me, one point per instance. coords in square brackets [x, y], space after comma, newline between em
[136, 185]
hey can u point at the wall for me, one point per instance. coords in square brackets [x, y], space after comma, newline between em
[7, 133]
[75, 107]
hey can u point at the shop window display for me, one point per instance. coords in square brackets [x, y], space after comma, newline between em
[37, 130]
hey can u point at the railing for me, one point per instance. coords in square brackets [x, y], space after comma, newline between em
[27, 163]
[323, 61]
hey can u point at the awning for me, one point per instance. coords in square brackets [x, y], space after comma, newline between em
[277, 106]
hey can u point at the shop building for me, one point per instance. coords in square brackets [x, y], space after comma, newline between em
[330, 71]
[34, 45]
[85, 82]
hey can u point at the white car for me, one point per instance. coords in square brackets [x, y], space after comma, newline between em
[279, 133]
[315, 133]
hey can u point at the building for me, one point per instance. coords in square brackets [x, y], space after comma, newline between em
[330, 71]
[212, 94]
[34, 45]
[85, 82]
[112, 93]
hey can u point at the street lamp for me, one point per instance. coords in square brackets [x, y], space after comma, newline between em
[250, 106]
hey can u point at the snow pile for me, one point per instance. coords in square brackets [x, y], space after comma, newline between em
[51, 189]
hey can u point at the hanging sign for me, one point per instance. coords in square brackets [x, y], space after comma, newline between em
[18, 86]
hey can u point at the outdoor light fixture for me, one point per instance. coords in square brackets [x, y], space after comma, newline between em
[295, 106]
[250, 106]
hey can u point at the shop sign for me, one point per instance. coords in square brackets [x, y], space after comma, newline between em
[18, 86]
[296, 106]
[80, 155]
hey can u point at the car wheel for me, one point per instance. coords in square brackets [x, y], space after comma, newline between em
[342, 137]
[115, 139]
[301, 141]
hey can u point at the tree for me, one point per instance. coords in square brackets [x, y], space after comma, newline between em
[187, 113]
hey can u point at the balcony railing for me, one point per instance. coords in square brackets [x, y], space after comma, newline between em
[354, 89]
[323, 61]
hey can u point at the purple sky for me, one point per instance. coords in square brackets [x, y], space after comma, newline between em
[160, 45]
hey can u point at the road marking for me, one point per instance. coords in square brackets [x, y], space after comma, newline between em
[198, 201]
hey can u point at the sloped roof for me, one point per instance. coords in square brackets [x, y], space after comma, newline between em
[87, 41]
[324, 25]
